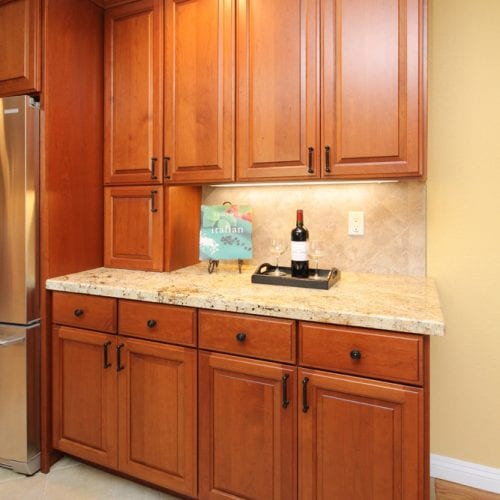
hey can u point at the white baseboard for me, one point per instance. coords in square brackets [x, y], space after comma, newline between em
[467, 473]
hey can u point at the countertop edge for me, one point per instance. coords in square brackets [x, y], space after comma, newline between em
[392, 323]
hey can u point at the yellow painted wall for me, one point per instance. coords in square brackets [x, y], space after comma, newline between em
[463, 238]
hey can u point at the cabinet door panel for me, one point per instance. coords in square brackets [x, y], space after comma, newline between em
[199, 89]
[247, 438]
[133, 118]
[372, 86]
[157, 401]
[20, 46]
[278, 105]
[360, 439]
[133, 227]
[84, 395]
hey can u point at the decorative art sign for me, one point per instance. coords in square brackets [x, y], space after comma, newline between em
[226, 232]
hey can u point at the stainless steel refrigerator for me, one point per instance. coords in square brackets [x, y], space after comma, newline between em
[19, 287]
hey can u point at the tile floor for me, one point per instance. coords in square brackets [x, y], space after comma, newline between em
[69, 479]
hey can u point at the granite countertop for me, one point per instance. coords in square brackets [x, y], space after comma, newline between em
[400, 303]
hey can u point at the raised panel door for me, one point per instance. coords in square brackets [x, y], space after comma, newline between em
[19, 46]
[133, 227]
[247, 436]
[373, 96]
[158, 410]
[84, 394]
[199, 90]
[132, 107]
[277, 124]
[359, 439]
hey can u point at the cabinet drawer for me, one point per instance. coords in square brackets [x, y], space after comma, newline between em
[158, 322]
[247, 335]
[84, 311]
[359, 351]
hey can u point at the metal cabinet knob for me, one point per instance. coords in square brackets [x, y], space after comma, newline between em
[151, 323]
[240, 337]
[355, 354]
[78, 312]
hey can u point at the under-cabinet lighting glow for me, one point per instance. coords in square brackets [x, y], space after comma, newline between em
[297, 183]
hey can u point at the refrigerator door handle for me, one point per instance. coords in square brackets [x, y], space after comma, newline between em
[16, 340]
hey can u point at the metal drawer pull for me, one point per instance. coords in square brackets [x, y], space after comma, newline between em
[16, 340]
[151, 323]
[78, 312]
[285, 391]
[355, 354]
[310, 153]
[305, 405]
[107, 364]
[240, 337]
[327, 159]
[165, 167]
[119, 366]
[153, 201]
[153, 167]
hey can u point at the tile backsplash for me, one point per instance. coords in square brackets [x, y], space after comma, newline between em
[394, 239]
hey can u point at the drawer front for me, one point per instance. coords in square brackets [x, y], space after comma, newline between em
[84, 311]
[252, 336]
[358, 351]
[161, 322]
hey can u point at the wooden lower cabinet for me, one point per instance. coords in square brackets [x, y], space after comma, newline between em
[223, 425]
[133, 409]
[247, 444]
[359, 439]
[157, 414]
[84, 405]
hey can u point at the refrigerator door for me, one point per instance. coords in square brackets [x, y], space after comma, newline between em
[19, 159]
[19, 398]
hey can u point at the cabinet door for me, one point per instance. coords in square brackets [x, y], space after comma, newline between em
[133, 227]
[84, 394]
[20, 46]
[199, 90]
[157, 408]
[359, 439]
[373, 94]
[277, 96]
[132, 108]
[247, 436]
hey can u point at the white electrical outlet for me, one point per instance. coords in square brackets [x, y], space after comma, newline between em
[356, 223]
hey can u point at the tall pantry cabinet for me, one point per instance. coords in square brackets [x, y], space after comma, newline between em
[141, 211]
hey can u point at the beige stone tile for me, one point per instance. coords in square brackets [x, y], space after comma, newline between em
[87, 483]
[394, 240]
[24, 488]
[8, 475]
[64, 463]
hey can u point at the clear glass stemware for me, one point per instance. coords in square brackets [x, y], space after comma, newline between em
[278, 247]
[316, 251]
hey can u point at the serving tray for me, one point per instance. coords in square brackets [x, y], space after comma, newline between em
[263, 275]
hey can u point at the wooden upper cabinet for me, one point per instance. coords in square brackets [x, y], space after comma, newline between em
[133, 115]
[199, 90]
[19, 46]
[373, 95]
[133, 227]
[277, 116]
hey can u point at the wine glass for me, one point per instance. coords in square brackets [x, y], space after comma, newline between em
[316, 251]
[278, 247]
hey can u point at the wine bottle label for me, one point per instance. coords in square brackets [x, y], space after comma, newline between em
[299, 250]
